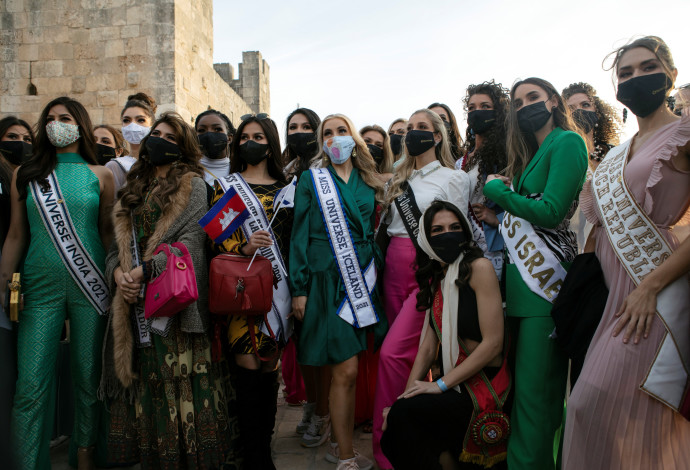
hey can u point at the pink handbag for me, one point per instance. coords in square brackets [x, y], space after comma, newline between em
[175, 288]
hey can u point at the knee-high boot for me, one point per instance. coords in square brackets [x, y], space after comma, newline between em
[249, 417]
[269, 408]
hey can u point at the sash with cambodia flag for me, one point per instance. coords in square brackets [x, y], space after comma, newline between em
[640, 248]
[56, 218]
[357, 308]
[486, 439]
[277, 324]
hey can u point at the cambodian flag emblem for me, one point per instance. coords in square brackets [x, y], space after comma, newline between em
[225, 216]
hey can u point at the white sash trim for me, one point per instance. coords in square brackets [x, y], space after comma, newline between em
[143, 336]
[53, 210]
[361, 312]
[640, 248]
[279, 325]
[538, 267]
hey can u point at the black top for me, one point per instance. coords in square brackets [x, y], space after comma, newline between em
[468, 316]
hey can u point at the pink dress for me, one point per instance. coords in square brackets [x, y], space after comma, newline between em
[610, 423]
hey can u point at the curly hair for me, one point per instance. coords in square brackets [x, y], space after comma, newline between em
[607, 130]
[430, 272]
[143, 172]
[491, 156]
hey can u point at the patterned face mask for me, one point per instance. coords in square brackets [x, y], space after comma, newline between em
[339, 148]
[62, 134]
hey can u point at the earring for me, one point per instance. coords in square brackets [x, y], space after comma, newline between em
[354, 153]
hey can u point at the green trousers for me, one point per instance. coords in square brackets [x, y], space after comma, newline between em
[541, 371]
[53, 297]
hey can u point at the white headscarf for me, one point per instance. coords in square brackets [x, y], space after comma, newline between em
[451, 293]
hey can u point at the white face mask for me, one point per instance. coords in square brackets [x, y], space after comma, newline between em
[134, 133]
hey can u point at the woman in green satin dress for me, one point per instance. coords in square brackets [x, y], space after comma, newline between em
[317, 288]
[64, 144]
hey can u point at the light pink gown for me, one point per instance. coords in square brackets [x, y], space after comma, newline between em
[611, 424]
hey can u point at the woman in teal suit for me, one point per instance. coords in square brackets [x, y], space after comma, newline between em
[547, 163]
[335, 325]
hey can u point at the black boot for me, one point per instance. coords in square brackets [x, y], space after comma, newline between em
[249, 417]
[269, 408]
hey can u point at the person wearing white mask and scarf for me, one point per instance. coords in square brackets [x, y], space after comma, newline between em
[466, 406]
[136, 117]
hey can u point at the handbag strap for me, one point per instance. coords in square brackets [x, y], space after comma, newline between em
[250, 324]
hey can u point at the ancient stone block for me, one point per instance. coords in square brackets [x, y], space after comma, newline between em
[129, 31]
[78, 84]
[106, 98]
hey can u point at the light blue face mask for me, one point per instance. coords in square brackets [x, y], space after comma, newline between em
[339, 148]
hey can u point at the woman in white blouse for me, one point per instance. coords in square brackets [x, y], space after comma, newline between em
[426, 174]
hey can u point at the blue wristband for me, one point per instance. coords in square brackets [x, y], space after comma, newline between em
[442, 385]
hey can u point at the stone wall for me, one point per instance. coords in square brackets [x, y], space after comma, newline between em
[101, 51]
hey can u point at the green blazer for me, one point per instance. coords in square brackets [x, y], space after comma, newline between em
[557, 171]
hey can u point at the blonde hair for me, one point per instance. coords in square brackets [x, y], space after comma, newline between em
[404, 170]
[388, 157]
[361, 158]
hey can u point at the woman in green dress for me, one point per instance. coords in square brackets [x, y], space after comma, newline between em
[547, 162]
[164, 363]
[63, 159]
[325, 291]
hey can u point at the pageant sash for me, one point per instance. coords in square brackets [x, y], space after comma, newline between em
[361, 312]
[56, 218]
[277, 323]
[640, 247]
[538, 266]
[140, 323]
[496, 257]
[409, 211]
[486, 439]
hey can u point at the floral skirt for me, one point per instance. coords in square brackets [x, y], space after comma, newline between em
[180, 417]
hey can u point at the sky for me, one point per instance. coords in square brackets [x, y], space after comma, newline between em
[378, 60]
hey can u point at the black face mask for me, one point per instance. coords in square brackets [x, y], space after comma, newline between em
[396, 143]
[447, 245]
[376, 152]
[303, 144]
[585, 119]
[161, 152]
[104, 154]
[533, 117]
[16, 151]
[481, 120]
[213, 144]
[253, 153]
[418, 142]
[643, 95]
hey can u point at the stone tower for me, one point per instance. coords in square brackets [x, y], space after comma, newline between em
[101, 51]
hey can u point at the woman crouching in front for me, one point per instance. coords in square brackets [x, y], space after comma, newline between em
[464, 412]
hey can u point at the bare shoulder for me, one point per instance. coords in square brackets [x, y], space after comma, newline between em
[483, 274]
[101, 172]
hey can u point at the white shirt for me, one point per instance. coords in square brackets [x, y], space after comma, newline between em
[430, 183]
[214, 168]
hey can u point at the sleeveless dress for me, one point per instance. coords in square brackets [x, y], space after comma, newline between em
[611, 424]
[51, 296]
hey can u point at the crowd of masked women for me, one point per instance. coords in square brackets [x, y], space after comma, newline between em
[448, 293]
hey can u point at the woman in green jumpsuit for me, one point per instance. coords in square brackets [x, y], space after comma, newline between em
[547, 163]
[64, 144]
[317, 288]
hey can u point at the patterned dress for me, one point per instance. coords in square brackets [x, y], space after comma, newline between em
[180, 411]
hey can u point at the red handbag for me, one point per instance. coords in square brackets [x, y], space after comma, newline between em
[234, 290]
[175, 288]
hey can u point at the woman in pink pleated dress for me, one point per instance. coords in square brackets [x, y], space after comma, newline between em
[611, 422]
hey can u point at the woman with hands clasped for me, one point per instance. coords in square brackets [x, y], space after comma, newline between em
[459, 290]
[630, 406]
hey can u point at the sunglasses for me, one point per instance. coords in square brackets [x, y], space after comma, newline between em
[259, 117]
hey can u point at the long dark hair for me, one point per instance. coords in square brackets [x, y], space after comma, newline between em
[491, 156]
[303, 161]
[430, 272]
[519, 150]
[143, 172]
[5, 124]
[454, 138]
[44, 157]
[275, 159]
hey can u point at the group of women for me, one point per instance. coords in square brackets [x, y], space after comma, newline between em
[404, 255]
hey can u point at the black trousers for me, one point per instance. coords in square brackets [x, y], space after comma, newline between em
[421, 428]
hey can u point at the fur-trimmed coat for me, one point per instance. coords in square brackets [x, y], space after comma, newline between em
[178, 222]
